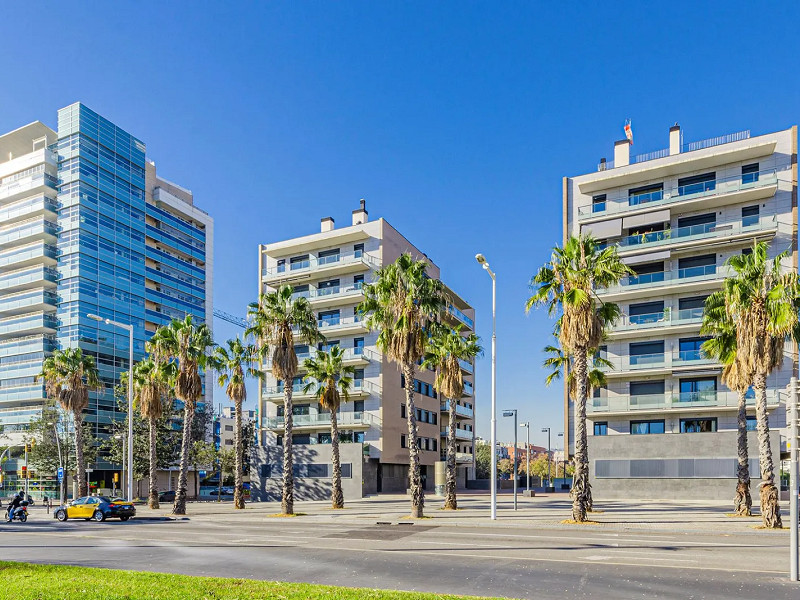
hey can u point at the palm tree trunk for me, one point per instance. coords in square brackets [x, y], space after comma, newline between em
[238, 489]
[770, 510]
[450, 502]
[415, 481]
[152, 500]
[179, 508]
[742, 502]
[581, 490]
[287, 498]
[80, 465]
[337, 497]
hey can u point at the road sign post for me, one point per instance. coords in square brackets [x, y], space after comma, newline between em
[794, 507]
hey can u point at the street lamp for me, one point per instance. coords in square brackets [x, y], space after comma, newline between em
[513, 413]
[62, 483]
[547, 429]
[482, 261]
[129, 329]
[527, 426]
[561, 435]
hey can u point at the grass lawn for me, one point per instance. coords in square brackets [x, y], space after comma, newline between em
[23, 581]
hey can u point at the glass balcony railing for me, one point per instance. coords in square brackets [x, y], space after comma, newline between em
[460, 410]
[647, 280]
[29, 275]
[466, 366]
[27, 344]
[664, 318]
[346, 419]
[18, 187]
[462, 434]
[14, 256]
[26, 207]
[331, 292]
[460, 316]
[669, 402]
[22, 323]
[358, 386]
[27, 229]
[313, 263]
[469, 388]
[706, 189]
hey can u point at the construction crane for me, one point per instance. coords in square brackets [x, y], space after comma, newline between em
[220, 314]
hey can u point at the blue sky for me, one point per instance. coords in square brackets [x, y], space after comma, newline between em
[455, 121]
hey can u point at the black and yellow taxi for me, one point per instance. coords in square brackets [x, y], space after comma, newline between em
[98, 508]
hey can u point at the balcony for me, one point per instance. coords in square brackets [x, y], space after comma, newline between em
[461, 457]
[28, 302]
[28, 208]
[341, 325]
[28, 231]
[27, 186]
[461, 434]
[333, 296]
[27, 324]
[461, 411]
[459, 316]
[351, 262]
[28, 344]
[23, 414]
[658, 403]
[30, 277]
[466, 366]
[678, 321]
[25, 256]
[359, 389]
[469, 389]
[729, 190]
[349, 420]
[356, 357]
[685, 236]
[651, 364]
[654, 284]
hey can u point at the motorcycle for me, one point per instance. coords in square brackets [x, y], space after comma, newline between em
[20, 513]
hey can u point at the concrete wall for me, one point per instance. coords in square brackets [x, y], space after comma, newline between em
[671, 446]
[265, 472]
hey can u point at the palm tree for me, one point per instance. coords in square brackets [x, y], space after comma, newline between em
[737, 375]
[187, 344]
[447, 348]
[275, 319]
[234, 364]
[763, 302]
[559, 363]
[331, 381]
[68, 376]
[401, 304]
[566, 284]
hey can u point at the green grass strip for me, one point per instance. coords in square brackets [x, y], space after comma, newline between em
[24, 581]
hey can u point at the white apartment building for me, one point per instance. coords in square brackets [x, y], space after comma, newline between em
[330, 268]
[665, 427]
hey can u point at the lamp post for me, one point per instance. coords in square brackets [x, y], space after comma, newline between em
[482, 261]
[561, 435]
[62, 483]
[513, 413]
[527, 426]
[129, 329]
[547, 429]
[119, 436]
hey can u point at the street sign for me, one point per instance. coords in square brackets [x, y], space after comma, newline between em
[60, 473]
[202, 474]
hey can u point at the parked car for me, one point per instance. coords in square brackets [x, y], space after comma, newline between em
[225, 492]
[98, 508]
[168, 496]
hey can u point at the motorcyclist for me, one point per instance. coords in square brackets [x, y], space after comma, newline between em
[15, 503]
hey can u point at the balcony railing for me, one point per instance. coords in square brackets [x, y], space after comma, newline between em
[664, 318]
[460, 410]
[462, 434]
[350, 354]
[716, 187]
[22, 277]
[358, 386]
[661, 278]
[13, 256]
[469, 389]
[461, 457]
[668, 360]
[460, 316]
[667, 402]
[466, 365]
[314, 263]
[343, 419]
[331, 292]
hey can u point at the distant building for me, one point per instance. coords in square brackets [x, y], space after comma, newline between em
[225, 426]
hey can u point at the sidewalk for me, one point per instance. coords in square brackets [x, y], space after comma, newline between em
[543, 511]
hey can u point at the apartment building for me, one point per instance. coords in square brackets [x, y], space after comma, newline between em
[225, 426]
[330, 268]
[665, 426]
[93, 230]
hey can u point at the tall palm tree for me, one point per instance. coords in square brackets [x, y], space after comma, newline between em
[187, 344]
[737, 374]
[68, 376]
[275, 319]
[763, 300]
[566, 285]
[401, 304]
[559, 363]
[234, 363]
[331, 382]
[447, 348]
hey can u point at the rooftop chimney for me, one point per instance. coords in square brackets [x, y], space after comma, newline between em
[326, 224]
[622, 153]
[675, 139]
[361, 216]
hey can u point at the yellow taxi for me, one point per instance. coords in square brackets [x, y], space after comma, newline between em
[98, 508]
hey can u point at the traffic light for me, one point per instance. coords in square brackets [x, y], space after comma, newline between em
[24, 471]
[116, 477]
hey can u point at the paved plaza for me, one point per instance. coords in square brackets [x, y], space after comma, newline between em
[638, 549]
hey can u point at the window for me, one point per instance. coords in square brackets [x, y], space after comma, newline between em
[695, 266]
[642, 391]
[281, 265]
[698, 425]
[358, 282]
[301, 438]
[750, 173]
[689, 348]
[358, 406]
[403, 411]
[601, 428]
[301, 291]
[691, 308]
[358, 379]
[358, 346]
[598, 203]
[647, 427]
[299, 262]
[645, 194]
[697, 224]
[328, 318]
[749, 216]
[325, 288]
[697, 184]
[228, 427]
[752, 423]
[646, 353]
[327, 345]
[229, 442]
[645, 234]
[646, 312]
[358, 250]
[403, 443]
[647, 273]
[358, 437]
[698, 389]
[324, 438]
[326, 257]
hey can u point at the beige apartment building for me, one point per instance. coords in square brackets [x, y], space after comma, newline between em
[665, 426]
[330, 268]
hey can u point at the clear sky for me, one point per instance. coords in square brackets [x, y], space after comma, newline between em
[456, 121]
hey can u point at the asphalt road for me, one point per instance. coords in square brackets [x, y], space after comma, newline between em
[515, 563]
